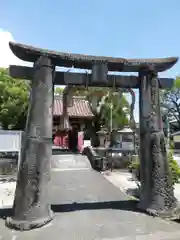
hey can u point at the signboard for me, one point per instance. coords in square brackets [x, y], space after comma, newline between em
[129, 146]
[10, 141]
[176, 138]
[123, 140]
[127, 138]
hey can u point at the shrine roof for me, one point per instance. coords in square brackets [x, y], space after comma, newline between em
[31, 54]
[80, 108]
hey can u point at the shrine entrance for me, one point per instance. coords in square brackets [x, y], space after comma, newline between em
[31, 208]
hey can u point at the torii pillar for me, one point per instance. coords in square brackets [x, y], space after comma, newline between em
[157, 192]
[31, 204]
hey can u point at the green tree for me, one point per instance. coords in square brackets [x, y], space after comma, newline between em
[170, 100]
[14, 95]
[59, 90]
[120, 110]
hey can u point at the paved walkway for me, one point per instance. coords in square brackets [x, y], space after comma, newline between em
[124, 181]
[177, 158]
[87, 206]
[62, 162]
[68, 162]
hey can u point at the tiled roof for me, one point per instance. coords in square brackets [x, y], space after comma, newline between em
[80, 107]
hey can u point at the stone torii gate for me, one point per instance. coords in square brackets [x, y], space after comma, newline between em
[31, 205]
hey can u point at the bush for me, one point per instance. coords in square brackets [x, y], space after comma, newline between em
[173, 165]
[171, 144]
[134, 168]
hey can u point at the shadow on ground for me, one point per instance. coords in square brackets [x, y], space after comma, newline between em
[4, 213]
[129, 205]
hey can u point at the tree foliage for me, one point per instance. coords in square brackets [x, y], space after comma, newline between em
[120, 111]
[14, 95]
[58, 90]
[134, 167]
[170, 100]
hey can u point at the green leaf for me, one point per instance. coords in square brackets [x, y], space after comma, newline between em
[14, 95]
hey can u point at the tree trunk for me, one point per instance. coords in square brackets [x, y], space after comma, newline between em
[157, 193]
[31, 205]
[132, 120]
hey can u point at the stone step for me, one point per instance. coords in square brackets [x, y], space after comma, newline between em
[70, 161]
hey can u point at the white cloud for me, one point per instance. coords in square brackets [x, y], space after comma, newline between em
[6, 56]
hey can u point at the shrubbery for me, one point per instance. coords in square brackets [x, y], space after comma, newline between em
[171, 144]
[173, 165]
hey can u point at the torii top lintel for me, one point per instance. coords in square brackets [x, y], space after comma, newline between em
[31, 54]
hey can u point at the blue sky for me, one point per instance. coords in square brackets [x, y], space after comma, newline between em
[114, 28]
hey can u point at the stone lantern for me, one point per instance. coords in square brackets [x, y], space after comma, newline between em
[102, 137]
[101, 149]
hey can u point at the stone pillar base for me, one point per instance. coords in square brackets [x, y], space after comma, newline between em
[23, 225]
[169, 214]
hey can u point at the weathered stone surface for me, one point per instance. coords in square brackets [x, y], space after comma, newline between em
[31, 207]
[31, 54]
[99, 72]
[157, 193]
[84, 79]
[145, 161]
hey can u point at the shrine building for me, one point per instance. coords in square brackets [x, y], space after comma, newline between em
[79, 112]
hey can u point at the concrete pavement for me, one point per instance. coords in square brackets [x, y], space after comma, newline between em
[87, 206]
[177, 158]
[123, 180]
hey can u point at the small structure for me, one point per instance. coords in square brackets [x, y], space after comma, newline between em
[11, 143]
[124, 140]
[176, 140]
[121, 145]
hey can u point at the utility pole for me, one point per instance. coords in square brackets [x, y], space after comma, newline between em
[111, 120]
